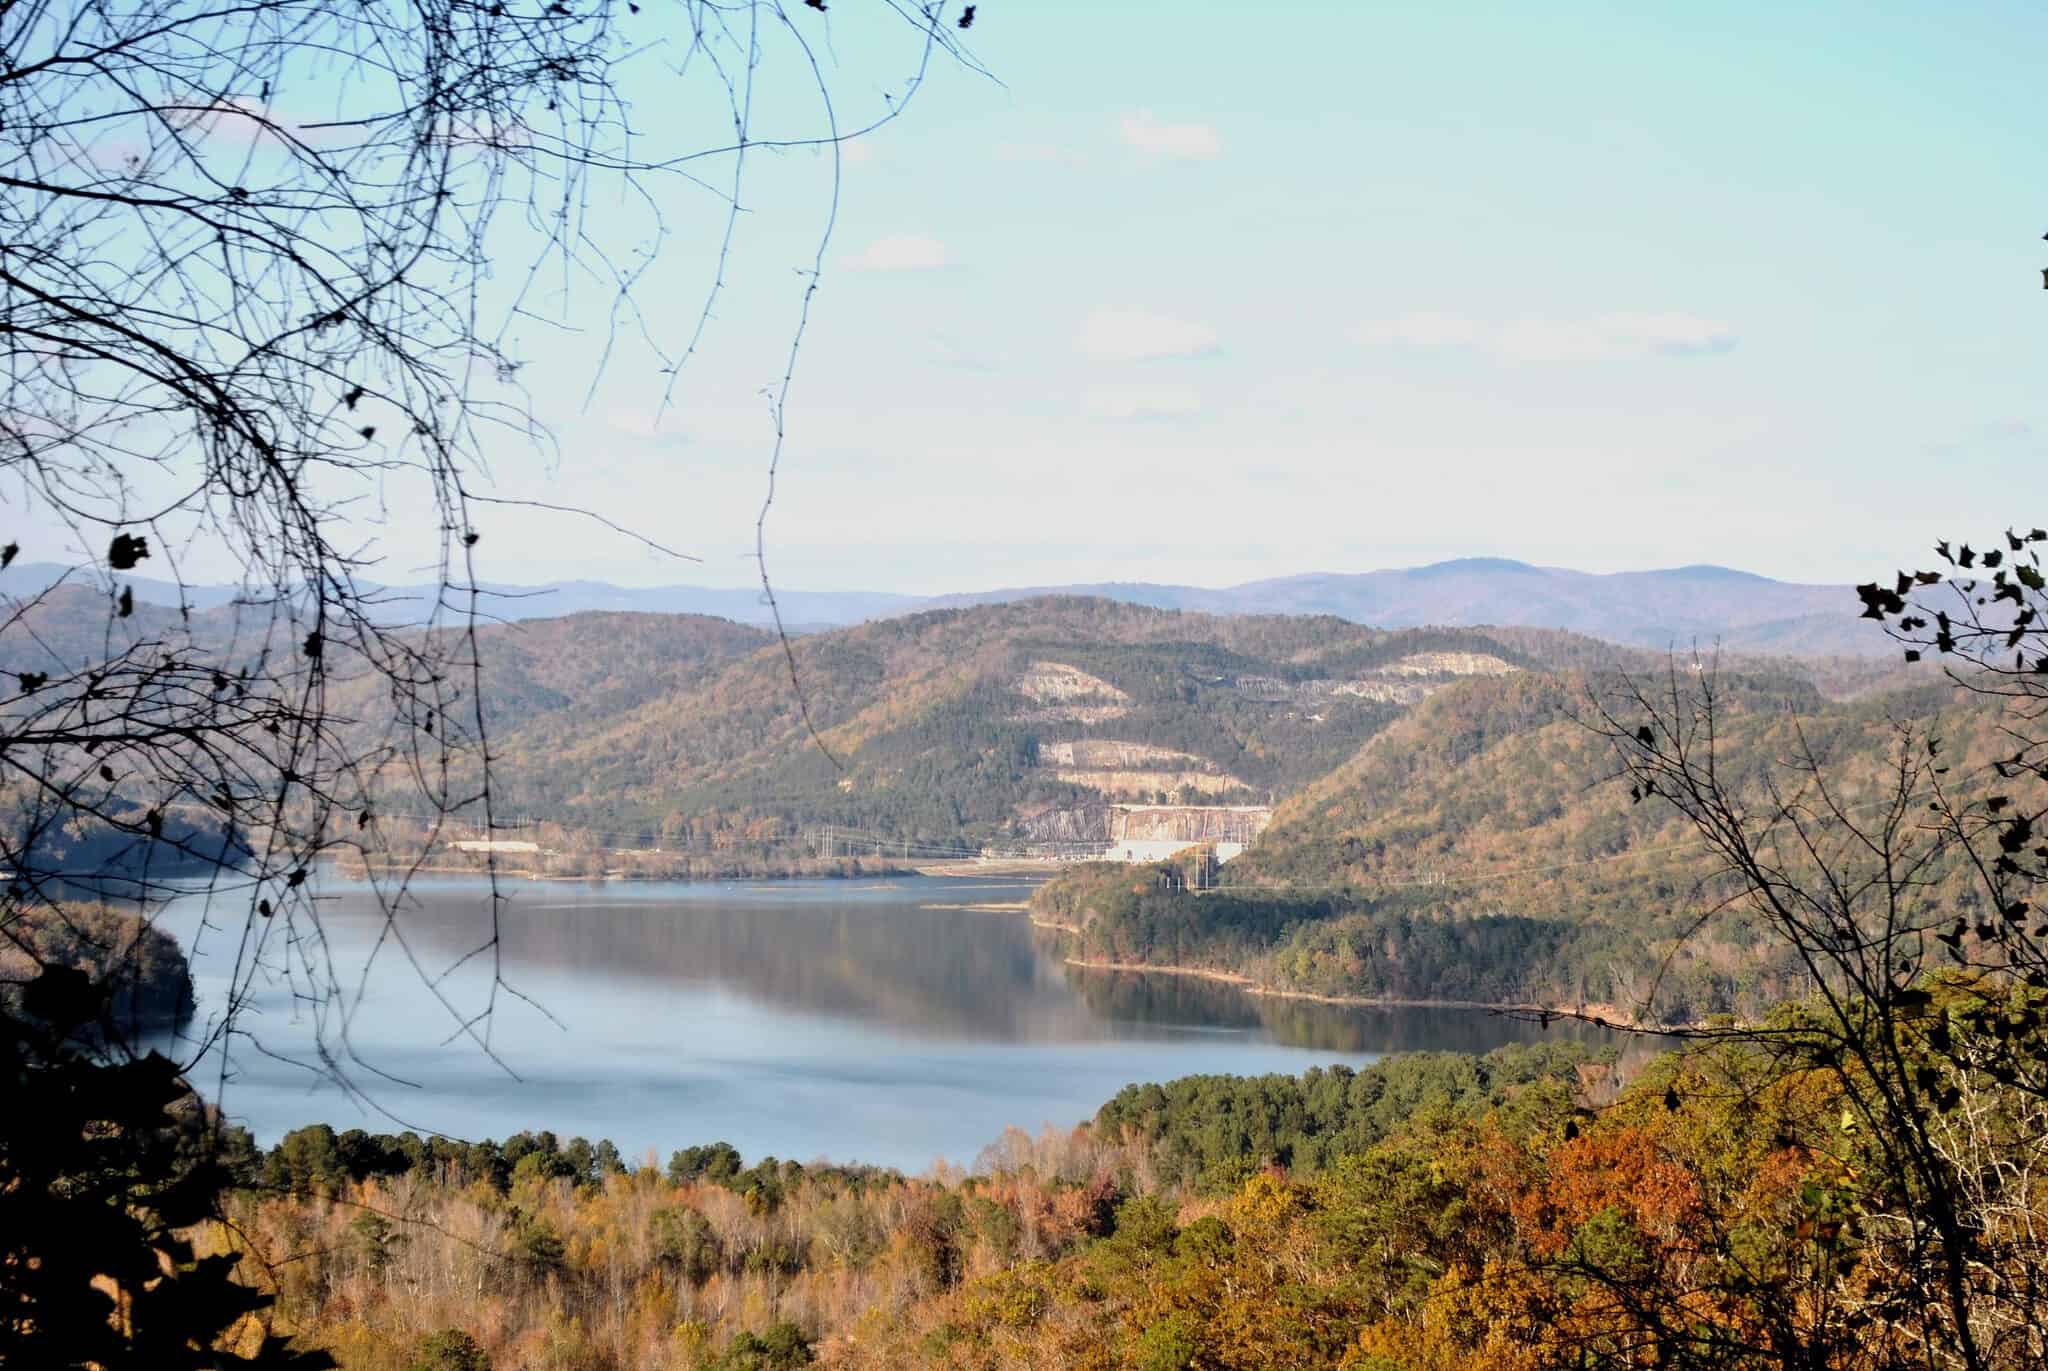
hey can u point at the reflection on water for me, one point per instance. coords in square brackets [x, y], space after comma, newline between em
[881, 952]
[858, 1020]
[1347, 1029]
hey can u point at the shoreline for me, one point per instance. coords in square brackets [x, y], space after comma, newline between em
[990, 870]
[993, 866]
[356, 870]
[1586, 1015]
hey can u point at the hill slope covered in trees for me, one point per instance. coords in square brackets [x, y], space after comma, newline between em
[951, 726]
[1481, 849]
[946, 728]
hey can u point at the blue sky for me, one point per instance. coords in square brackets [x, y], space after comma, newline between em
[1206, 292]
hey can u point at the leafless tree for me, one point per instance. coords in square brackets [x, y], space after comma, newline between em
[261, 263]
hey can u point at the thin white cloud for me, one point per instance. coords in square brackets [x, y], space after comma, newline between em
[1145, 131]
[1144, 402]
[902, 252]
[1597, 338]
[1134, 335]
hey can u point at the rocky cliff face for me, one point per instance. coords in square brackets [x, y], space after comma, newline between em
[1086, 823]
[1120, 769]
[1112, 823]
[1126, 771]
[1449, 664]
[1103, 754]
[1067, 694]
[1404, 682]
[1058, 683]
[1188, 823]
[1131, 785]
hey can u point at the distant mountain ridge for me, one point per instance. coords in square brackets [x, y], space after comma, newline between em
[1658, 609]
[1677, 606]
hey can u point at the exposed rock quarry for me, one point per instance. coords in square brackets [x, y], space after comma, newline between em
[1450, 664]
[1128, 770]
[1273, 690]
[1384, 692]
[1130, 784]
[1403, 682]
[1068, 694]
[1093, 754]
[1051, 823]
[1058, 683]
[1111, 823]
[1188, 823]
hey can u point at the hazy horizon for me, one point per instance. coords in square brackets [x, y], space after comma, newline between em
[942, 589]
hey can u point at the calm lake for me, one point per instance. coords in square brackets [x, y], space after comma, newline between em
[876, 1021]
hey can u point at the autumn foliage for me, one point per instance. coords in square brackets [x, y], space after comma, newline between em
[1719, 1212]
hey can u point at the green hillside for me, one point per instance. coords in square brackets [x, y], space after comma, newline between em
[1013, 721]
[995, 722]
[1478, 848]
[948, 726]
[545, 677]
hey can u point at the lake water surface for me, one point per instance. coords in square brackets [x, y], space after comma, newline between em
[874, 1021]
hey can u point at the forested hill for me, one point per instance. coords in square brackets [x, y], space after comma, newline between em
[1479, 848]
[992, 721]
[959, 724]
[561, 674]
[1482, 782]
[1019, 720]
